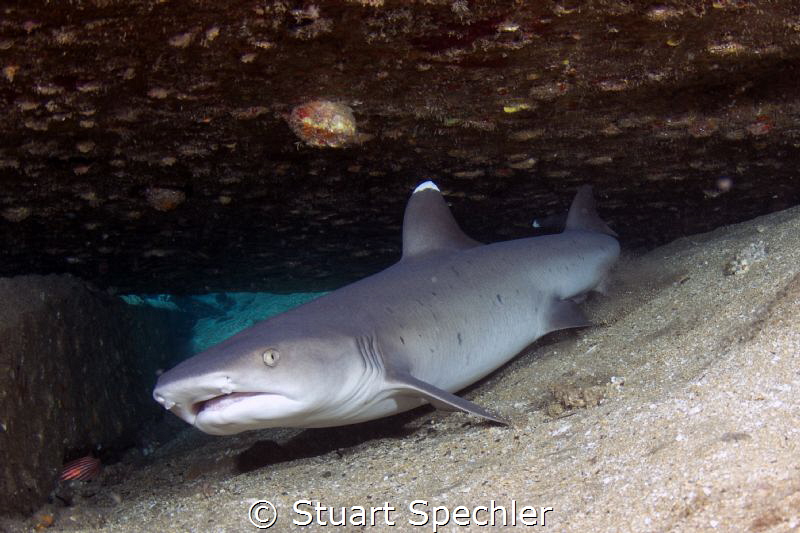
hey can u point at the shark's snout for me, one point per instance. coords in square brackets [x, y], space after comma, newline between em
[218, 405]
[188, 397]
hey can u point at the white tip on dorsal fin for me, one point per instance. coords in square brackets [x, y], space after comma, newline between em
[428, 224]
[425, 186]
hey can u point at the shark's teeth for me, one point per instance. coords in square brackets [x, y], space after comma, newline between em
[426, 185]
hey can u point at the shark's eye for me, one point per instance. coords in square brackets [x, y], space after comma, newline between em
[271, 356]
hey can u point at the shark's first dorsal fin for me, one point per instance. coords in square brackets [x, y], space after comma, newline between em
[583, 215]
[428, 224]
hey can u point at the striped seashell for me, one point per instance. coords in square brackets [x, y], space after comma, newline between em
[82, 469]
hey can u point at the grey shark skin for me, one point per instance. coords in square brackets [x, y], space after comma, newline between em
[448, 313]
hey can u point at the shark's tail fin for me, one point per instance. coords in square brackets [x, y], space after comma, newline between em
[583, 215]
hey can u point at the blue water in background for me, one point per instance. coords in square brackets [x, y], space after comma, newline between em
[221, 315]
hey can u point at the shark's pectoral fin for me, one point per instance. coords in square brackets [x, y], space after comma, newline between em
[407, 385]
[565, 314]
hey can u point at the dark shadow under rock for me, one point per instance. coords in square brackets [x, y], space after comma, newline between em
[78, 367]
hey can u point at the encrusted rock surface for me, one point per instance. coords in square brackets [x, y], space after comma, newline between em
[146, 144]
[77, 370]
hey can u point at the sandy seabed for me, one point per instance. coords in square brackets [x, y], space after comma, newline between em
[679, 411]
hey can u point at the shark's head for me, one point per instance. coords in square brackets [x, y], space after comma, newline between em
[257, 380]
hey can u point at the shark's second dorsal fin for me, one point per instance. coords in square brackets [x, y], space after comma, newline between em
[583, 214]
[428, 224]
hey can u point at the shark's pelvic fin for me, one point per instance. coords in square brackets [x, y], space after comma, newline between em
[407, 385]
[565, 314]
[583, 215]
[429, 226]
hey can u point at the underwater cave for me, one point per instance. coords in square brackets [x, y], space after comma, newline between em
[173, 172]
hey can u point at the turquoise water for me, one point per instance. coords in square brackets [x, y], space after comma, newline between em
[221, 315]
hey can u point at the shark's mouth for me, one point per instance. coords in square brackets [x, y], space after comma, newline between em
[226, 414]
[222, 401]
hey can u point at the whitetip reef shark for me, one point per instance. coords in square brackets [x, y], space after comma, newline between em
[448, 313]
